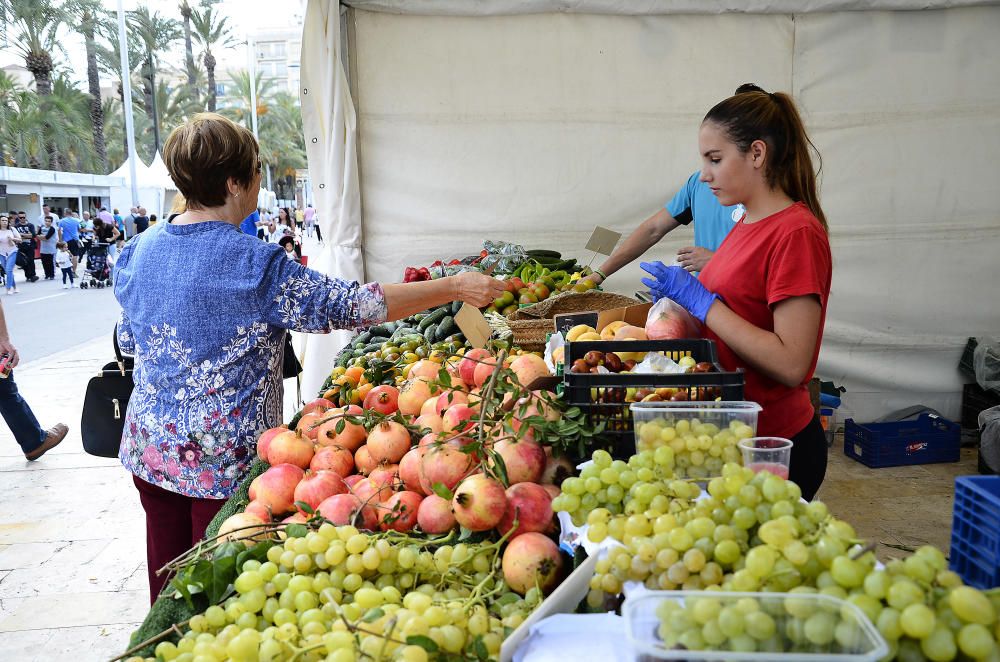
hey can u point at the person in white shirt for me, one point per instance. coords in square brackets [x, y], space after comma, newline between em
[65, 262]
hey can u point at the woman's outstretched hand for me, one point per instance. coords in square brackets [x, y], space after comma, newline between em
[477, 289]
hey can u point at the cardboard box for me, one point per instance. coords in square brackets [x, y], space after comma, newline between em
[563, 600]
[634, 315]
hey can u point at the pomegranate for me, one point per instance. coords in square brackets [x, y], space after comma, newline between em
[308, 424]
[353, 480]
[319, 405]
[258, 509]
[290, 448]
[409, 470]
[672, 323]
[458, 418]
[553, 490]
[235, 528]
[252, 492]
[530, 505]
[534, 405]
[344, 509]
[529, 367]
[449, 398]
[467, 366]
[315, 487]
[531, 559]
[295, 518]
[383, 399]
[426, 369]
[430, 422]
[370, 492]
[484, 371]
[364, 461]
[557, 469]
[523, 459]
[351, 436]
[435, 515]
[400, 511]
[264, 440]
[388, 442]
[447, 464]
[429, 408]
[479, 503]
[386, 475]
[414, 393]
[276, 489]
[333, 458]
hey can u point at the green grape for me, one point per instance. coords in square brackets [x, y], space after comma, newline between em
[847, 572]
[727, 552]
[877, 584]
[917, 621]
[819, 628]
[939, 646]
[760, 625]
[731, 621]
[971, 605]
[975, 641]
[903, 593]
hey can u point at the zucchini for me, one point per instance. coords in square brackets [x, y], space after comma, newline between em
[433, 318]
[543, 252]
[446, 328]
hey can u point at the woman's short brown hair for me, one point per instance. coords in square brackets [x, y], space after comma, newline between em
[203, 153]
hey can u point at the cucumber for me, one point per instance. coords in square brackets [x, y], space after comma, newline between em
[433, 318]
[455, 307]
[430, 333]
[345, 359]
[446, 328]
[372, 347]
[380, 330]
[363, 338]
[543, 252]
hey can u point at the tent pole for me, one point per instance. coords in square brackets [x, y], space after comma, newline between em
[127, 94]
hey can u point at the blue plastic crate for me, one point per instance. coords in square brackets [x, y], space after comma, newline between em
[926, 440]
[975, 530]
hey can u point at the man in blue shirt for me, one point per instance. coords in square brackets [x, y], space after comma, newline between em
[693, 202]
[69, 231]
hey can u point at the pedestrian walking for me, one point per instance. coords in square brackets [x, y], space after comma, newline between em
[64, 260]
[129, 222]
[69, 232]
[9, 241]
[119, 221]
[49, 234]
[309, 219]
[141, 221]
[26, 248]
[34, 441]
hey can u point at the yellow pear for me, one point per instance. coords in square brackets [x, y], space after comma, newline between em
[608, 332]
[578, 330]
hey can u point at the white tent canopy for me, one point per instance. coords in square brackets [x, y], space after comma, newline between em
[535, 120]
[150, 187]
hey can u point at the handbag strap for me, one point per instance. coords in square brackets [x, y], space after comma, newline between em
[119, 359]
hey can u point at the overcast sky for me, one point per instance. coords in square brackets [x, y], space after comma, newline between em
[244, 17]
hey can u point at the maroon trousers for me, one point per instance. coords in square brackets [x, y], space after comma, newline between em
[174, 523]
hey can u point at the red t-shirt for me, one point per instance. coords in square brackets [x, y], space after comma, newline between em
[759, 265]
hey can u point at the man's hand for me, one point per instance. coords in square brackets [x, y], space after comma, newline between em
[694, 258]
[477, 289]
[7, 348]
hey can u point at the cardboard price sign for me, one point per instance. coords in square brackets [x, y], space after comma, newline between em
[566, 321]
[603, 241]
[473, 325]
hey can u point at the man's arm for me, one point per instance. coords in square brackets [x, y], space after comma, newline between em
[5, 345]
[644, 237]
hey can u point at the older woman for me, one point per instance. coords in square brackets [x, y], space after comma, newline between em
[205, 309]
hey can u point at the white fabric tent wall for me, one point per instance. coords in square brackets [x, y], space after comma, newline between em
[536, 127]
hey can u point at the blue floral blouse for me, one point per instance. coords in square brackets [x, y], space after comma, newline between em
[205, 309]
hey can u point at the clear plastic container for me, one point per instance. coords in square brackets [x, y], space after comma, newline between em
[703, 435]
[806, 627]
[772, 454]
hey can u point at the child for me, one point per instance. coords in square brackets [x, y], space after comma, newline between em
[288, 243]
[65, 262]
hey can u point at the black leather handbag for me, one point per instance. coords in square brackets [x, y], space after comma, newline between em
[104, 405]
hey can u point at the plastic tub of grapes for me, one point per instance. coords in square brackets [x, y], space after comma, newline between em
[739, 627]
[700, 436]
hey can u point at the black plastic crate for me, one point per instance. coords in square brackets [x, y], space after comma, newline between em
[974, 401]
[602, 396]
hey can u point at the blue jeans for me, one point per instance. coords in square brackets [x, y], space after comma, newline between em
[9, 262]
[16, 412]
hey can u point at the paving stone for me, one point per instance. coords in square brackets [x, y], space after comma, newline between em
[77, 609]
[28, 555]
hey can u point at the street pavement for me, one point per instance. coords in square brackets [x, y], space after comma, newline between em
[72, 532]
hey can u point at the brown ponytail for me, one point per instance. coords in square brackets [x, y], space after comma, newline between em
[753, 114]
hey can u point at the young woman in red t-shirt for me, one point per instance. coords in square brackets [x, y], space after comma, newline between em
[763, 295]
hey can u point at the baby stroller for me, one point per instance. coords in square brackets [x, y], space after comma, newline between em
[98, 273]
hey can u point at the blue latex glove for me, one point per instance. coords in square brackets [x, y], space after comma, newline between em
[678, 285]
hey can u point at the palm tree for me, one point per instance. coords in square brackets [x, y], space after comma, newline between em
[212, 30]
[186, 15]
[264, 89]
[67, 110]
[38, 23]
[92, 21]
[9, 89]
[156, 33]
